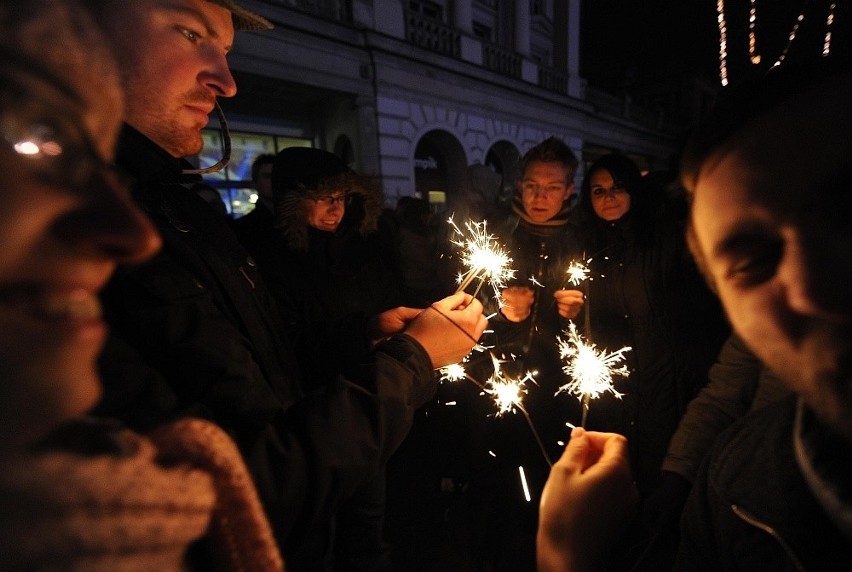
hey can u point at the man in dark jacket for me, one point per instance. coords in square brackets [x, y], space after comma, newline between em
[536, 306]
[195, 328]
[770, 229]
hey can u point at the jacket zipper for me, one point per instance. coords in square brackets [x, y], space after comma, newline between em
[746, 517]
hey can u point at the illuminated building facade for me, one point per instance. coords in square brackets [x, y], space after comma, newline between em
[415, 90]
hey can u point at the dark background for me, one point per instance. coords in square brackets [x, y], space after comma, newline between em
[633, 42]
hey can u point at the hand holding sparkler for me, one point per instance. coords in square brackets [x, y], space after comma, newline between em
[449, 328]
[588, 500]
[569, 303]
[517, 303]
[390, 322]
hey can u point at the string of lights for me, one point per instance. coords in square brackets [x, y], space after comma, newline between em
[826, 46]
[723, 42]
[752, 38]
[754, 56]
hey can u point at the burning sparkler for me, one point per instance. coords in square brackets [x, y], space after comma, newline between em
[483, 257]
[508, 395]
[577, 272]
[591, 370]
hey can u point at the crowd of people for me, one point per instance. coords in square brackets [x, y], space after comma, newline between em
[187, 392]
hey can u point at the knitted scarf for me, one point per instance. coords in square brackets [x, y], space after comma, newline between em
[137, 507]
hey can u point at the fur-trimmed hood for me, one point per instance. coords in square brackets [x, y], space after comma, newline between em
[303, 173]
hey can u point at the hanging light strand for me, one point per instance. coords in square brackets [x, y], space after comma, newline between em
[791, 37]
[826, 46]
[723, 42]
[752, 37]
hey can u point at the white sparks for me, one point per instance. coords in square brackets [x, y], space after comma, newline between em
[452, 372]
[591, 370]
[483, 257]
[577, 272]
[507, 393]
[524, 484]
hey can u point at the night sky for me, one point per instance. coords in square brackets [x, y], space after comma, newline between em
[639, 41]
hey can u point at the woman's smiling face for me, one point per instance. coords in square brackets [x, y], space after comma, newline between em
[65, 224]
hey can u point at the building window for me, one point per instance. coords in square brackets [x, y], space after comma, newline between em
[427, 9]
[234, 182]
[483, 32]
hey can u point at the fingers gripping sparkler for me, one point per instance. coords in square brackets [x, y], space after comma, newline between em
[591, 370]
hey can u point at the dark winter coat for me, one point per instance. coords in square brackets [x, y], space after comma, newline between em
[328, 284]
[198, 320]
[737, 383]
[751, 509]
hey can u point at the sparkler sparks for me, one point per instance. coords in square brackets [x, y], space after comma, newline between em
[508, 393]
[453, 372]
[591, 370]
[577, 272]
[483, 257]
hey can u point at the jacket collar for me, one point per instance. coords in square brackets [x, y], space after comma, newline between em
[146, 162]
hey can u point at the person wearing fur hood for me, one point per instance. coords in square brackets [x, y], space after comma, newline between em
[331, 272]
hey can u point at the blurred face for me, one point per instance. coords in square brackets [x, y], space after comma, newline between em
[263, 184]
[544, 189]
[65, 224]
[773, 221]
[173, 61]
[326, 213]
[610, 200]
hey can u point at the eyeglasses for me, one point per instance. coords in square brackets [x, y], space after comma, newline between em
[330, 200]
[532, 188]
[57, 151]
[615, 191]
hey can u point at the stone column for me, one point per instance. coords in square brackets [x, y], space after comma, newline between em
[566, 44]
[522, 27]
[463, 16]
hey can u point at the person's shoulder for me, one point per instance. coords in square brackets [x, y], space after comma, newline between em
[756, 449]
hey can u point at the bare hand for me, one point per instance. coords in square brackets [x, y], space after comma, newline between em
[569, 303]
[449, 329]
[588, 500]
[390, 322]
[518, 301]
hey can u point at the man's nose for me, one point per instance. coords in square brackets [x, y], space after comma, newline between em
[218, 75]
[816, 276]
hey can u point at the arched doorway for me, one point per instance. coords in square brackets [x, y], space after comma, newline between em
[504, 158]
[439, 164]
[343, 148]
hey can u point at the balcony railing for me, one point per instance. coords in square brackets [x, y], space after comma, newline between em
[431, 35]
[340, 10]
[501, 60]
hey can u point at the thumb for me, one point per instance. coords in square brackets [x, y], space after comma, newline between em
[574, 456]
[455, 300]
[407, 314]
